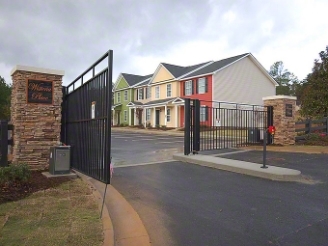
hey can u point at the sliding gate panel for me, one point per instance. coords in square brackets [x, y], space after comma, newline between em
[86, 122]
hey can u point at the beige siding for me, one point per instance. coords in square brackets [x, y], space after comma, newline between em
[135, 98]
[162, 75]
[163, 90]
[242, 82]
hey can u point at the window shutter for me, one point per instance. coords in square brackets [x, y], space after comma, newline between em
[183, 88]
[206, 113]
[196, 80]
[146, 93]
[206, 85]
[142, 93]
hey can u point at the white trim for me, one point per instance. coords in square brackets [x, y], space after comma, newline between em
[37, 70]
[157, 70]
[163, 82]
[177, 99]
[279, 97]
[137, 84]
[197, 76]
[205, 65]
[117, 80]
[228, 65]
[263, 69]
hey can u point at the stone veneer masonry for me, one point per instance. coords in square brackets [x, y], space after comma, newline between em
[285, 125]
[36, 126]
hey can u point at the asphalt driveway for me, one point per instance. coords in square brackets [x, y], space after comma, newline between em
[135, 148]
[186, 204]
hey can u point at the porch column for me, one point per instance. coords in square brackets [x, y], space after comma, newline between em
[176, 116]
[165, 115]
[129, 116]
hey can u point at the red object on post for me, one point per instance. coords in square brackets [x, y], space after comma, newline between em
[272, 130]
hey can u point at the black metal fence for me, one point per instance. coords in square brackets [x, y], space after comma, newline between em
[213, 125]
[86, 120]
[5, 141]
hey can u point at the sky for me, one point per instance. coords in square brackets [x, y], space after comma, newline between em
[71, 35]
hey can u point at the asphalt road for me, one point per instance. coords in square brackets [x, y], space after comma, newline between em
[130, 148]
[186, 204]
[135, 148]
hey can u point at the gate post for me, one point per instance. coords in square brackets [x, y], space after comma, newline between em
[187, 118]
[4, 143]
[269, 123]
[196, 126]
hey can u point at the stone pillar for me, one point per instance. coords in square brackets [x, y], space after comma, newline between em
[283, 118]
[36, 114]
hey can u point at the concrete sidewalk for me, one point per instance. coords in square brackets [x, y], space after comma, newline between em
[242, 167]
[121, 224]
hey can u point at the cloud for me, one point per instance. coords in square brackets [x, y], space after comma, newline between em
[70, 35]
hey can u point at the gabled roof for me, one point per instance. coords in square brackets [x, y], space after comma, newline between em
[215, 66]
[132, 79]
[178, 71]
[160, 101]
[133, 103]
[144, 82]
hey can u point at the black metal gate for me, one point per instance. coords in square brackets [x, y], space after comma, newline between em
[213, 125]
[5, 141]
[86, 120]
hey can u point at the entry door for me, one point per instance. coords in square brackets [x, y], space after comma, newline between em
[140, 117]
[118, 118]
[157, 118]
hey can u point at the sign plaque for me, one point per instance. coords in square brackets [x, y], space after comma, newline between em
[93, 110]
[39, 91]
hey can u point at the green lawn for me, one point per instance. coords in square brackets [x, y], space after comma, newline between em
[65, 215]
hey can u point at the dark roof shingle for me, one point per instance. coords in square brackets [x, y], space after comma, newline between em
[215, 66]
[133, 79]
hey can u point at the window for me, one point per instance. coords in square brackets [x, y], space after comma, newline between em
[125, 116]
[168, 115]
[118, 97]
[201, 85]
[168, 90]
[148, 92]
[203, 113]
[125, 95]
[148, 110]
[157, 92]
[140, 94]
[188, 88]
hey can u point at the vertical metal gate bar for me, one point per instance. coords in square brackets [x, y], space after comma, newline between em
[187, 119]
[196, 124]
[109, 117]
[4, 143]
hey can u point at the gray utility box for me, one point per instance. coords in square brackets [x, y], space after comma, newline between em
[59, 162]
[254, 135]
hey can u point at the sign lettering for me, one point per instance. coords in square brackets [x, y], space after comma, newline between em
[39, 91]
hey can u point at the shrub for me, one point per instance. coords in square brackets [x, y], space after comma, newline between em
[15, 173]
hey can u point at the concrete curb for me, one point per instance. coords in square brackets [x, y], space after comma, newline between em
[242, 167]
[129, 229]
[108, 229]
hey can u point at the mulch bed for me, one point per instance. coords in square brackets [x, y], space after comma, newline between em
[38, 182]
